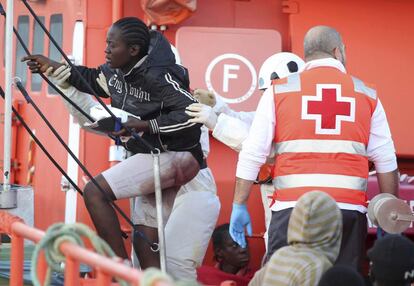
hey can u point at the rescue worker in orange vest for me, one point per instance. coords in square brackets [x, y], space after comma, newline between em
[232, 127]
[326, 125]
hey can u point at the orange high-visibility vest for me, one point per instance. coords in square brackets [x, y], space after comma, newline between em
[323, 121]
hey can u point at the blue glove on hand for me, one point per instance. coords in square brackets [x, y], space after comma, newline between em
[240, 219]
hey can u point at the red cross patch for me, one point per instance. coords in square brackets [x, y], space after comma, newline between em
[328, 108]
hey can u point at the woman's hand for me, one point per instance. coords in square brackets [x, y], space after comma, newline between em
[134, 124]
[40, 63]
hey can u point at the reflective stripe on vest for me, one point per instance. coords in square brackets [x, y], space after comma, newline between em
[320, 180]
[320, 146]
[360, 87]
[292, 84]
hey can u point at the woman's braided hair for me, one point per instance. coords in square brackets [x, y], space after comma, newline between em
[134, 32]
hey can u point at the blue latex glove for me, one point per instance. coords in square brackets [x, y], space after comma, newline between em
[240, 219]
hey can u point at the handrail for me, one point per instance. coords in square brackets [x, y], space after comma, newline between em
[106, 268]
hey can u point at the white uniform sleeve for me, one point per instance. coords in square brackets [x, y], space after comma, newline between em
[204, 141]
[231, 131]
[83, 100]
[380, 147]
[258, 144]
[222, 107]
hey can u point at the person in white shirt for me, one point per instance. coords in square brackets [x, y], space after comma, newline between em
[232, 127]
[284, 117]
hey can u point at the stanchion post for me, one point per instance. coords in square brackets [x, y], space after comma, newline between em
[41, 268]
[102, 278]
[8, 94]
[16, 260]
[158, 201]
[71, 272]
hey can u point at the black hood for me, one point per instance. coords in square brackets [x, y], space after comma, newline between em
[159, 55]
[159, 52]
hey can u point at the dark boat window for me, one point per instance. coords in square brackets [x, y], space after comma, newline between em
[56, 30]
[38, 48]
[23, 28]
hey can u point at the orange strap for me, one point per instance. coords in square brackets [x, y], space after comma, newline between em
[265, 173]
[340, 195]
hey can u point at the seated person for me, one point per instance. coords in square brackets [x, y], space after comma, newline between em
[392, 261]
[232, 261]
[314, 239]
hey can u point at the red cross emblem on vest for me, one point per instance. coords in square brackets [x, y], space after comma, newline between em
[328, 108]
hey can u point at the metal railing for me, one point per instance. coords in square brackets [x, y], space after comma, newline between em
[105, 268]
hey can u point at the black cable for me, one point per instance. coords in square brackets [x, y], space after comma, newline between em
[144, 237]
[23, 122]
[19, 38]
[111, 202]
[2, 12]
[56, 164]
[30, 101]
[134, 134]
[24, 92]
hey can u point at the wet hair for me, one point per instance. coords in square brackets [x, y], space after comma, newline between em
[134, 32]
[219, 235]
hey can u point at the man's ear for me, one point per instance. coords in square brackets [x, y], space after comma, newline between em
[337, 54]
[134, 50]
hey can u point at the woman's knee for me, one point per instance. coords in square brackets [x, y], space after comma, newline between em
[92, 193]
[187, 166]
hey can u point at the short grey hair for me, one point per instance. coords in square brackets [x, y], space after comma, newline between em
[321, 40]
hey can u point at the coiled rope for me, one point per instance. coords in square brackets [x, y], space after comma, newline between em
[50, 244]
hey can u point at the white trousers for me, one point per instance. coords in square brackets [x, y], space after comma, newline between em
[189, 224]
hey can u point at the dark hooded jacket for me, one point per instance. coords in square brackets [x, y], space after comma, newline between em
[156, 90]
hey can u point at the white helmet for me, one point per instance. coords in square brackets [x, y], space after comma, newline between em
[176, 54]
[279, 65]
